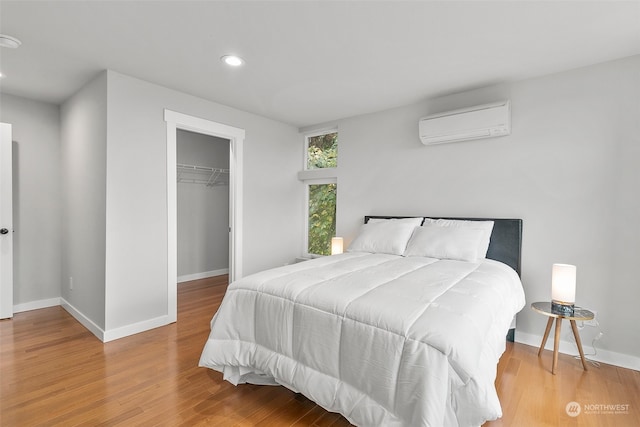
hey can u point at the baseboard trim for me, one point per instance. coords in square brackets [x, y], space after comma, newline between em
[36, 305]
[203, 275]
[604, 356]
[135, 328]
[84, 320]
[116, 333]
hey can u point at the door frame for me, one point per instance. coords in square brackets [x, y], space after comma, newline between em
[175, 121]
[6, 216]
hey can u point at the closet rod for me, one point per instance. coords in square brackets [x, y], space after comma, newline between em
[189, 174]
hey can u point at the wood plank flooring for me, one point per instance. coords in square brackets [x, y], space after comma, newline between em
[531, 396]
[56, 373]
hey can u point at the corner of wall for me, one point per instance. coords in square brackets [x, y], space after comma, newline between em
[83, 158]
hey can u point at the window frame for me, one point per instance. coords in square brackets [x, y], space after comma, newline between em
[317, 176]
[307, 183]
[305, 164]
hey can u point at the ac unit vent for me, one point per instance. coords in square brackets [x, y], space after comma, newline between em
[482, 121]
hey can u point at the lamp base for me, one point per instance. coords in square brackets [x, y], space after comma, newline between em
[564, 308]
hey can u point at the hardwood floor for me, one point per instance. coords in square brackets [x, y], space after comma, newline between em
[54, 372]
[531, 396]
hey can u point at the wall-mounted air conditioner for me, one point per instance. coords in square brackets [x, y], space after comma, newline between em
[482, 121]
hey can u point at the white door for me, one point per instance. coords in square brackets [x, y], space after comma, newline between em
[6, 223]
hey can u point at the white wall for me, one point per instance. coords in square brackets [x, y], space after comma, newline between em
[37, 205]
[569, 170]
[91, 201]
[203, 211]
[84, 160]
[136, 255]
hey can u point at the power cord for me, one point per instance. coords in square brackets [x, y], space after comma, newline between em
[599, 335]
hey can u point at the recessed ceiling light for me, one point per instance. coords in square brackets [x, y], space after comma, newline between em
[8, 41]
[233, 60]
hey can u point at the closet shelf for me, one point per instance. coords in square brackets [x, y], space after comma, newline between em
[210, 177]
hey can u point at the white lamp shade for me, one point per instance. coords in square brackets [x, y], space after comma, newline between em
[336, 245]
[563, 283]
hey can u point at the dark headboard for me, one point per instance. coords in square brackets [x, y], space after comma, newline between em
[506, 239]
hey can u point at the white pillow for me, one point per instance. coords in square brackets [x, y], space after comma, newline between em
[433, 241]
[388, 236]
[485, 226]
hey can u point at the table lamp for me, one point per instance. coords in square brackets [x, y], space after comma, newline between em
[336, 245]
[563, 288]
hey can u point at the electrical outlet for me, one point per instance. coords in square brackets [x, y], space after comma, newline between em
[70, 283]
[594, 321]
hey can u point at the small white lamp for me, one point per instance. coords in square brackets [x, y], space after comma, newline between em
[563, 288]
[336, 245]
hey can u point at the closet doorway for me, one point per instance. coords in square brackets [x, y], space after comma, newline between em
[235, 137]
[203, 205]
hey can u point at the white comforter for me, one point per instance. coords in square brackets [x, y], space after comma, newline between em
[384, 340]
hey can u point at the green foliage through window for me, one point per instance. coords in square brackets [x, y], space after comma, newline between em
[322, 151]
[322, 217]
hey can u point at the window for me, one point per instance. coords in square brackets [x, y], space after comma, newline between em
[322, 218]
[322, 151]
[320, 177]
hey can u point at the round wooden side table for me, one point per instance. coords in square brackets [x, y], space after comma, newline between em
[578, 313]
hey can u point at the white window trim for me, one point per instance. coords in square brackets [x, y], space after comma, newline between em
[314, 177]
[315, 174]
[317, 132]
[307, 183]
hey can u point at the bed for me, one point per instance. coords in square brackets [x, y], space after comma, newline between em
[404, 329]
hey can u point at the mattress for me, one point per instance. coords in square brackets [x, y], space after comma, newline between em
[384, 340]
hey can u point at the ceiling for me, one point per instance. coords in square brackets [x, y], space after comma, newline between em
[308, 62]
